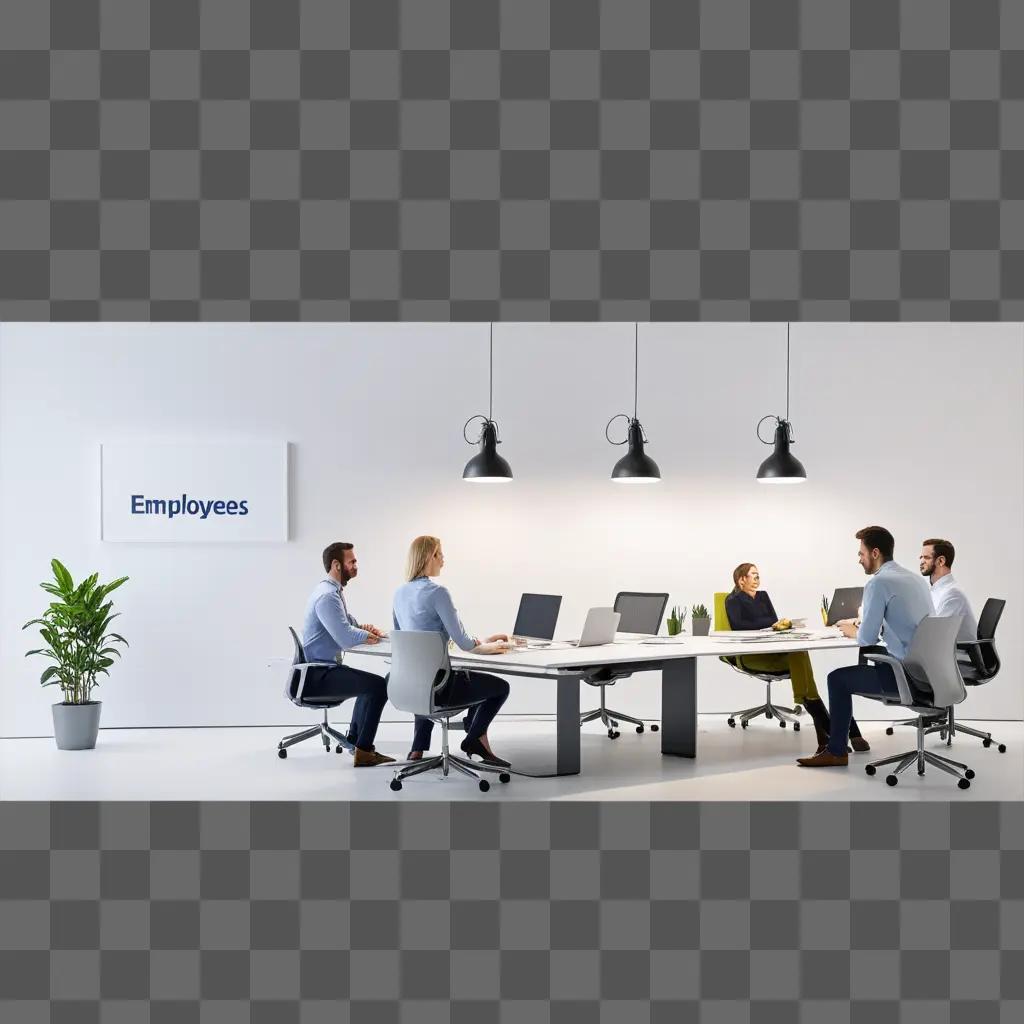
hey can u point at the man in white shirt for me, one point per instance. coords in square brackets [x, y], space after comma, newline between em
[936, 563]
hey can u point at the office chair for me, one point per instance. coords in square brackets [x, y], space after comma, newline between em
[294, 692]
[640, 613]
[928, 679]
[419, 669]
[768, 708]
[979, 664]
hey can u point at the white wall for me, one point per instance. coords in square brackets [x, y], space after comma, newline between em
[917, 427]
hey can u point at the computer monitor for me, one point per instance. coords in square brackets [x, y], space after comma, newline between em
[538, 615]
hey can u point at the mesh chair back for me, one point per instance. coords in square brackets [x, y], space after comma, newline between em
[990, 616]
[298, 658]
[640, 612]
[419, 666]
[932, 659]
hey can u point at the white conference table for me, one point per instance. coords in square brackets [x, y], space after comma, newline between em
[677, 659]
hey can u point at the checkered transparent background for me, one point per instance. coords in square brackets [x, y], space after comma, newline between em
[533, 912]
[512, 159]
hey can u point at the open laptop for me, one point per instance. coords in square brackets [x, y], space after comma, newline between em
[536, 620]
[845, 603]
[598, 629]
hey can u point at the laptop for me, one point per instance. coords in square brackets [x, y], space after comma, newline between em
[845, 603]
[536, 620]
[598, 629]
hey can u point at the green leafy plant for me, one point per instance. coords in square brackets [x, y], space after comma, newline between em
[675, 620]
[700, 612]
[74, 627]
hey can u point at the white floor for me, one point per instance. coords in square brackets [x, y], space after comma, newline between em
[242, 764]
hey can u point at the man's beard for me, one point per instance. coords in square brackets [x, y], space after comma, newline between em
[346, 576]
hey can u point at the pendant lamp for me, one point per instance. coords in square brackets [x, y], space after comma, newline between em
[781, 467]
[636, 466]
[487, 466]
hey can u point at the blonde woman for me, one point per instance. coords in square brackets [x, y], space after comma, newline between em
[749, 607]
[422, 604]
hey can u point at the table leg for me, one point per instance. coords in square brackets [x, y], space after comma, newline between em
[567, 756]
[679, 707]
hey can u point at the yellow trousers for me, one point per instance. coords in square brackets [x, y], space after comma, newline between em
[798, 665]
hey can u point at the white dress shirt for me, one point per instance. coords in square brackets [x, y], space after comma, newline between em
[949, 599]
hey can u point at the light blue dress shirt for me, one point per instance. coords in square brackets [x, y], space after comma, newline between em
[895, 601]
[327, 627]
[425, 605]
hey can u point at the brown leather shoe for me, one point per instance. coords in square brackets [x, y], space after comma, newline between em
[860, 744]
[822, 747]
[826, 759]
[370, 758]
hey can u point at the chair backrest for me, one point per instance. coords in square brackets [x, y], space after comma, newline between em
[640, 612]
[291, 686]
[721, 618]
[419, 666]
[986, 650]
[932, 659]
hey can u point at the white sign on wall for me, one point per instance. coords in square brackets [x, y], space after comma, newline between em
[194, 492]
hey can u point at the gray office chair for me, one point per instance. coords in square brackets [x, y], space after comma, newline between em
[979, 664]
[640, 613]
[419, 669]
[297, 673]
[928, 679]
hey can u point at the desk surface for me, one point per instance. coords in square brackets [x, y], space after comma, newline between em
[556, 658]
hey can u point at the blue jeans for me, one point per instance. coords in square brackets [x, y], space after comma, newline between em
[843, 683]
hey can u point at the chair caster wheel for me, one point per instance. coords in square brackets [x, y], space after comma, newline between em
[731, 723]
[396, 785]
[504, 777]
[654, 728]
[963, 784]
[282, 753]
[639, 730]
[1001, 748]
[339, 749]
[767, 714]
[888, 730]
[484, 785]
[891, 780]
[612, 734]
[782, 723]
[870, 769]
[986, 743]
[796, 727]
[798, 710]
[744, 724]
[969, 773]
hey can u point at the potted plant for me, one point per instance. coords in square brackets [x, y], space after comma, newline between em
[674, 623]
[701, 621]
[74, 627]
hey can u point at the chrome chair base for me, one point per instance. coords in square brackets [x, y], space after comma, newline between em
[610, 718]
[324, 730]
[921, 757]
[769, 710]
[947, 727]
[448, 762]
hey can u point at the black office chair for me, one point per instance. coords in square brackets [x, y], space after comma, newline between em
[979, 664]
[293, 690]
[639, 613]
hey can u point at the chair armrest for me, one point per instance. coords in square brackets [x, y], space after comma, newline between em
[303, 668]
[972, 648]
[902, 684]
[871, 649]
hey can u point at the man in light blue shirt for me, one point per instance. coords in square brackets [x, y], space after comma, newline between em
[328, 628]
[895, 601]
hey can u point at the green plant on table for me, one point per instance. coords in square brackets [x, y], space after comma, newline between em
[700, 612]
[675, 620]
[74, 628]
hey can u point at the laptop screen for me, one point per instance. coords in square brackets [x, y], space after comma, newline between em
[538, 614]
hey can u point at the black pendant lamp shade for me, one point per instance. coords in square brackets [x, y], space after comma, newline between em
[487, 466]
[636, 466]
[781, 467]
